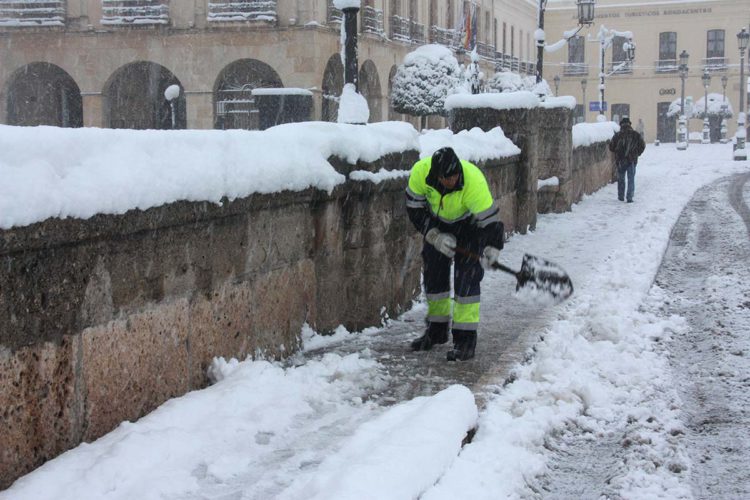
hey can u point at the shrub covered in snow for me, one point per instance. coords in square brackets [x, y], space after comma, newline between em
[424, 80]
[507, 81]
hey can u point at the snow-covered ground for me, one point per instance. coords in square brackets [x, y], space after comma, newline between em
[312, 428]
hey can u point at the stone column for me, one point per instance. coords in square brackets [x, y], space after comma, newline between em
[93, 109]
[200, 112]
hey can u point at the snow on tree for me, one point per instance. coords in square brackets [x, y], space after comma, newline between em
[674, 108]
[428, 75]
[507, 81]
[714, 107]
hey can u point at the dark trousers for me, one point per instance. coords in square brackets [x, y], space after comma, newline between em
[626, 169]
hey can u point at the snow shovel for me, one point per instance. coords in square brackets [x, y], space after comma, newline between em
[538, 277]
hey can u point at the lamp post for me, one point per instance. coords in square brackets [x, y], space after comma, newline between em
[171, 94]
[706, 79]
[585, 18]
[724, 109]
[740, 154]
[583, 89]
[605, 38]
[556, 79]
[682, 141]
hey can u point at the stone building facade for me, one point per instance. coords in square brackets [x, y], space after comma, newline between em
[107, 63]
[661, 30]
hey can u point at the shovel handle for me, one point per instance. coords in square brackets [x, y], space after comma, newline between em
[495, 265]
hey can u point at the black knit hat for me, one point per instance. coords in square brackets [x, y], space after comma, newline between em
[445, 163]
[625, 121]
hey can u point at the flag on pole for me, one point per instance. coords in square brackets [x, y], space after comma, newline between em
[469, 40]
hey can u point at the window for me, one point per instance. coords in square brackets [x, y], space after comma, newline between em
[487, 27]
[576, 50]
[505, 27]
[450, 23]
[520, 44]
[715, 43]
[619, 55]
[668, 46]
[512, 41]
[494, 33]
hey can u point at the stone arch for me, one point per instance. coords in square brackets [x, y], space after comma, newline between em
[42, 93]
[234, 106]
[134, 98]
[369, 87]
[333, 85]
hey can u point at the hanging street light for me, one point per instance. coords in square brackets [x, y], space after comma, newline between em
[585, 18]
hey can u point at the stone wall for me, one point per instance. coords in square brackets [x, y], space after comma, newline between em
[104, 319]
[546, 142]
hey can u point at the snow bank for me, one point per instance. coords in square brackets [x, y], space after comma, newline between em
[63, 172]
[473, 145]
[566, 101]
[504, 100]
[586, 134]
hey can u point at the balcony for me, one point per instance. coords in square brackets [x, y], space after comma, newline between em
[575, 69]
[667, 66]
[485, 50]
[715, 63]
[335, 16]
[25, 13]
[620, 68]
[444, 36]
[417, 32]
[242, 10]
[135, 12]
[372, 21]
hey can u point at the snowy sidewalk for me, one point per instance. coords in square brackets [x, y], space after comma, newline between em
[378, 422]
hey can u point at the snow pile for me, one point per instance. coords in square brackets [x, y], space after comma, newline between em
[676, 106]
[63, 172]
[566, 101]
[346, 4]
[586, 134]
[548, 182]
[500, 101]
[353, 106]
[473, 145]
[507, 81]
[399, 454]
[220, 432]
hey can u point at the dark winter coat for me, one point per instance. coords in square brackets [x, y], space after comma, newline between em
[627, 145]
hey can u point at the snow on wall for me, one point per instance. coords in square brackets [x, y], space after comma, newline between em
[503, 100]
[586, 134]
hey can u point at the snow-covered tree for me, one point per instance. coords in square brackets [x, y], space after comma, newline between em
[714, 107]
[674, 108]
[507, 81]
[421, 84]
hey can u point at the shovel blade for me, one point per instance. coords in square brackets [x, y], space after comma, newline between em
[544, 278]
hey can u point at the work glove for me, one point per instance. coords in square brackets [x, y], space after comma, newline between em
[489, 256]
[445, 243]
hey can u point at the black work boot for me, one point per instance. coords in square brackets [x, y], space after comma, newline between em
[435, 333]
[464, 344]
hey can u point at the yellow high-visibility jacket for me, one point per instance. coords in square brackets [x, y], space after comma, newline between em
[468, 210]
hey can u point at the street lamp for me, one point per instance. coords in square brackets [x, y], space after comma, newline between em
[556, 79]
[585, 18]
[706, 79]
[605, 38]
[739, 154]
[583, 88]
[724, 109]
[682, 141]
[171, 94]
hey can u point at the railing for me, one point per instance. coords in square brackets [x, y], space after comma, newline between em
[443, 36]
[21, 13]
[400, 29]
[575, 69]
[485, 50]
[135, 12]
[417, 32]
[620, 68]
[334, 14]
[242, 10]
[715, 63]
[372, 20]
[666, 66]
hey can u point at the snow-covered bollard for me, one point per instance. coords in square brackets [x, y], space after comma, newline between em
[682, 139]
[740, 152]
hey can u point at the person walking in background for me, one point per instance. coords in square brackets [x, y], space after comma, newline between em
[449, 202]
[627, 145]
[640, 129]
